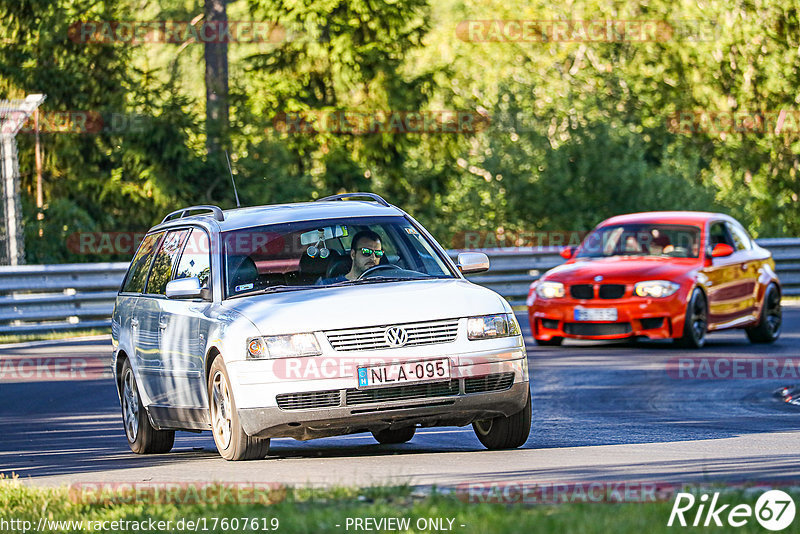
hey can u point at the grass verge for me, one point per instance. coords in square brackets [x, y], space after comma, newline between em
[335, 510]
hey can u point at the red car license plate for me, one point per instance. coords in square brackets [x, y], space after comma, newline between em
[595, 314]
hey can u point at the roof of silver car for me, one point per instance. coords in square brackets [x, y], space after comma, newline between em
[666, 217]
[250, 216]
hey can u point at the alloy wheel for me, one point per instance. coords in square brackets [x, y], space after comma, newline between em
[221, 410]
[699, 319]
[484, 426]
[130, 406]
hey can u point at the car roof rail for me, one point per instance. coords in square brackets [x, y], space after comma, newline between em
[377, 198]
[179, 214]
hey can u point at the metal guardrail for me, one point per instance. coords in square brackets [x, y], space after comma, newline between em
[47, 298]
[52, 298]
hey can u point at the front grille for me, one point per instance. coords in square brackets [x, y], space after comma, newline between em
[313, 399]
[582, 291]
[611, 291]
[495, 382]
[412, 391]
[371, 338]
[356, 397]
[597, 329]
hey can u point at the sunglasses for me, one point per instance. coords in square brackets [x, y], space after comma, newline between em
[369, 252]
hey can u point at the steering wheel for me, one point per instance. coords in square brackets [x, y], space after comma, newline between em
[679, 252]
[377, 268]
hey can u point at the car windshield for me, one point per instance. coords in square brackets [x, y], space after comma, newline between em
[676, 241]
[314, 254]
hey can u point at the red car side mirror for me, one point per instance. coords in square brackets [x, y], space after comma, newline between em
[567, 252]
[721, 250]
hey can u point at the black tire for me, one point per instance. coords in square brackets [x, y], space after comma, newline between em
[232, 441]
[505, 432]
[392, 437]
[695, 326]
[769, 322]
[142, 437]
[552, 342]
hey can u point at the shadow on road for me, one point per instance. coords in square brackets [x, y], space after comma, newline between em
[583, 396]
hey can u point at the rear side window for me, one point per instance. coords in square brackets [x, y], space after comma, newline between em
[164, 263]
[196, 259]
[137, 272]
[740, 237]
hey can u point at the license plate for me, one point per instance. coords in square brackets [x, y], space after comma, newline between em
[595, 314]
[403, 373]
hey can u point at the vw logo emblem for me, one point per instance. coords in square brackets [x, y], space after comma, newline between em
[396, 336]
[598, 278]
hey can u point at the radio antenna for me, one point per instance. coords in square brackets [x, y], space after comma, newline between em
[230, 170]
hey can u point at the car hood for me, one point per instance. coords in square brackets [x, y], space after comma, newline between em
[622, 268]
[383, 303]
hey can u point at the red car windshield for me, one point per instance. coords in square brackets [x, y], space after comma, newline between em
[675, 241]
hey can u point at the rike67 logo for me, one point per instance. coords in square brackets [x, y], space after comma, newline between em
[774, 510]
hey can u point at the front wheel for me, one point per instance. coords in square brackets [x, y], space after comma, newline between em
[695, 325]
[142, 437]
[505, 432]
[769, 324]
[232, 441]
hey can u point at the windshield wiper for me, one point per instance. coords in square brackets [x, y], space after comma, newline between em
[272, 289]
[374, 279]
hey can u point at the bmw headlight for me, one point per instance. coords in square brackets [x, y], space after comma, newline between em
[655, 288]
[286, 346]
[550, 290]
[492, 326]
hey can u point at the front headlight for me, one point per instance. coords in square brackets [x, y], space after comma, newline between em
[286, 346]
[491, 326]
[655, 288]
[550, 290]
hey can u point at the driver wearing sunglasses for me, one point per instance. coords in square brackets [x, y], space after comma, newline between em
[365, 252]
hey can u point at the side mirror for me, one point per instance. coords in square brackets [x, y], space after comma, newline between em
[187, 288]
[721, 250]
[567, 252]
[473, 262]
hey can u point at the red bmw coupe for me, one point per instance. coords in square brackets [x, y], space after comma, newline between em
[661, 275]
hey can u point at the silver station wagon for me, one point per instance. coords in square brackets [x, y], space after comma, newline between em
[311, 320]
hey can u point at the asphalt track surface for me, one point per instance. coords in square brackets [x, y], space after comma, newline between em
[613, 412]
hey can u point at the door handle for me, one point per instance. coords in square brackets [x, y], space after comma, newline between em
[162, 325]
[134, 322]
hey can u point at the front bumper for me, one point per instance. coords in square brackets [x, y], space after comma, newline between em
[636, 317]
[458, 410]
[313, 397]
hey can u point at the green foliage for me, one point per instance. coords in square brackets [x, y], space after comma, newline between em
[327, 510]
[578, 131]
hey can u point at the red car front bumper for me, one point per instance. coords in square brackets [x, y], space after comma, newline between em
[636, 316]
